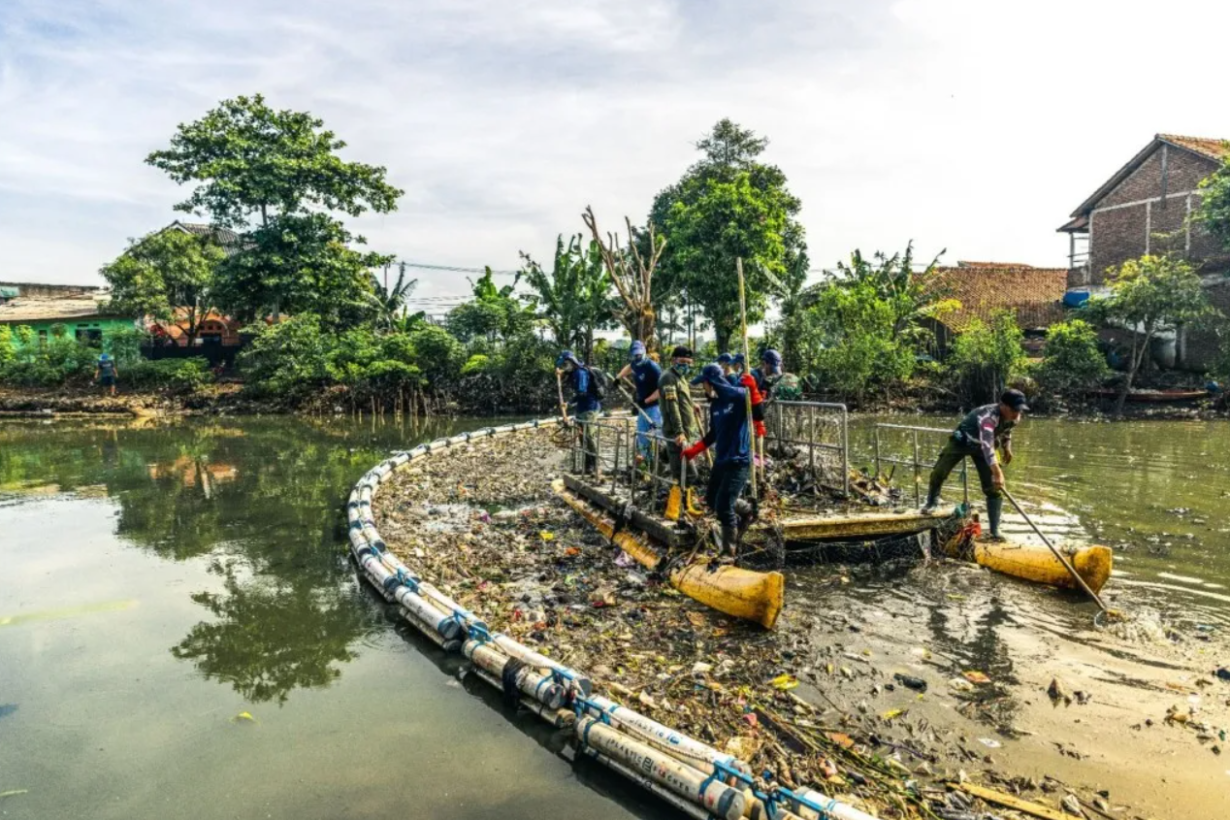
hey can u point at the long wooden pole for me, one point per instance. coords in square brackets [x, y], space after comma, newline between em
[747, 361]
[1062, 558]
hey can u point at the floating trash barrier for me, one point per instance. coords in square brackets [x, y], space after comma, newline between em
[688, 774]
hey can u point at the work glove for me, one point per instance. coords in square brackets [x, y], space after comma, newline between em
[695, 450]
[760, 428]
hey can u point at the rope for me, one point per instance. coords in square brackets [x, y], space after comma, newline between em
[508, 680]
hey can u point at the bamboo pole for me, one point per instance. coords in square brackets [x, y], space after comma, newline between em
[747, 362]
[1063, 559]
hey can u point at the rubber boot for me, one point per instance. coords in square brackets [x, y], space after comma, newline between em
[995, 510]
[729, 539]
[747, 515]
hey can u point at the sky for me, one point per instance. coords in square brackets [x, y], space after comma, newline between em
[963, 125]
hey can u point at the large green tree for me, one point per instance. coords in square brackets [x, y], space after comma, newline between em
[1149, 296]
[494, 314]
[167, 275]
[276, 178]
[574, 297]
[301, 263]
[730, 205]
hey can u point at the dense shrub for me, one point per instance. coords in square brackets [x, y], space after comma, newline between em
[849, 335]
[1072, 361]
[181, 375]
[26, 361]
[985, 357]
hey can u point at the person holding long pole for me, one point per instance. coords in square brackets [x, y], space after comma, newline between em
[586, 403]
[730, 437]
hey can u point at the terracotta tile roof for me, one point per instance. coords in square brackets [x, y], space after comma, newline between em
[1212, 148]
[1033, 295]
[961, 263]
[223, 236]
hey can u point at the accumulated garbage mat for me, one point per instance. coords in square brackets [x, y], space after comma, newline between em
[890, 548]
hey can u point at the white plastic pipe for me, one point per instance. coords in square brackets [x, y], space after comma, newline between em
[663, 737]
[689, 783]
[530, 682]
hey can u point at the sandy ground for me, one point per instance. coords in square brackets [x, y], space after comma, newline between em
[823, 699]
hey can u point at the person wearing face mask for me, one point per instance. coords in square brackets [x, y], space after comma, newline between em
[645, 374]
[678, 411]
[586, 403]
[730, 437]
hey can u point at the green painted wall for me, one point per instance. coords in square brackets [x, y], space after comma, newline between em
[98, 324]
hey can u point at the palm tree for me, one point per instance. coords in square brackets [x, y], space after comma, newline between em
[389, 304]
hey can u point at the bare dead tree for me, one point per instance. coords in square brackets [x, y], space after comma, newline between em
[632, 274]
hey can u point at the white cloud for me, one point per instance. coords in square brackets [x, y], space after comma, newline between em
[968, 125]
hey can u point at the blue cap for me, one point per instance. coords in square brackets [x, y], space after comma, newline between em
[564, 357]
[739, 359]
[103, 357]
[637, 349]
[773, 359]
[711, 373]
[725, 358]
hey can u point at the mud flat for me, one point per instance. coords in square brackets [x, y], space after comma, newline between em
[833, 697]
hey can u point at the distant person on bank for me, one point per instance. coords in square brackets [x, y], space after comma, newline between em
[978, 436]
[106, 373]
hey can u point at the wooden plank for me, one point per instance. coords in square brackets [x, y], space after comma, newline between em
[1010, 802]
[659, 531]
[856, 525]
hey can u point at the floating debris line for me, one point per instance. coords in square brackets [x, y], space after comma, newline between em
[697, 778]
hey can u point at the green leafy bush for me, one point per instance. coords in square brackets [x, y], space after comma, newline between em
[985, 357]
[27, 361]
[850, 339]
[181, 375]
[1072, 360]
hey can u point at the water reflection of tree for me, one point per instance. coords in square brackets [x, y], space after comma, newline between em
[264, 498]
[270, 637]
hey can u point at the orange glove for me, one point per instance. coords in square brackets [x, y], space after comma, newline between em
[760, 428]
[695, 450]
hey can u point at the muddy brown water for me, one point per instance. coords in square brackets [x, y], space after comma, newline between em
[181, 634]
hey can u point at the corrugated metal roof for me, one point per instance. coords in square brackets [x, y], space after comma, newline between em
[31, 309]
[1033, 295]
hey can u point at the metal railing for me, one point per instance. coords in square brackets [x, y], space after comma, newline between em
[914, 462]
[616, 447]
[798, 423]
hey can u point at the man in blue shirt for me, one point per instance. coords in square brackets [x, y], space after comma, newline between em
[106, 373]
[730, 437]
[645, 374]
[585, 404]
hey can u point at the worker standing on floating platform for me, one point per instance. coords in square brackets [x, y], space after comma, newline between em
[645, 374]
[730, 436]
[586, 403]
[678, 412]
[978, 436]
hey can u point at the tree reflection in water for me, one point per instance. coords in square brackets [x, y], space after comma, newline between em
[261, 497]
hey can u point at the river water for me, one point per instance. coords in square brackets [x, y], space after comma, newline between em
[181, 633]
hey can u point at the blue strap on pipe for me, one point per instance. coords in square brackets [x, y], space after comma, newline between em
[477, 631]
[407, 580]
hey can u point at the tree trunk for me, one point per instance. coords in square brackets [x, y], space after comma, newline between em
[1139, 350]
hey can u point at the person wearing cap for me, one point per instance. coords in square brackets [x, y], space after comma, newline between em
[645, 374]
[979, 435]
[730, 437]
[585, 403]
[106, 373]
[727, 362]
[769, 373]
[678, 411]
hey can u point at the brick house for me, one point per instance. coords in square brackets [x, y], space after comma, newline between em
[1145, 207]
[1034, 296]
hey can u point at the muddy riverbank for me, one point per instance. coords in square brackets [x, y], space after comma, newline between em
[832, 695]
